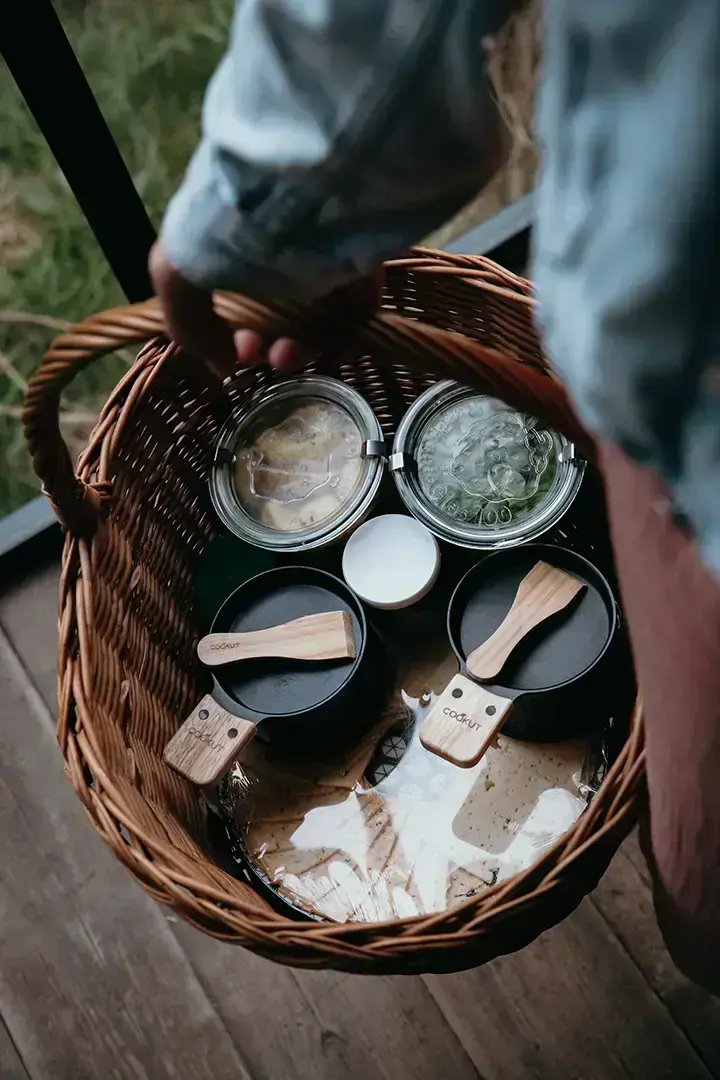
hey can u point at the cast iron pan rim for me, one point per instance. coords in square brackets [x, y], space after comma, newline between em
[333, 584]
[545, 551]
[270, 892]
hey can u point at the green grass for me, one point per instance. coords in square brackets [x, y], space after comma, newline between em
[148, 66]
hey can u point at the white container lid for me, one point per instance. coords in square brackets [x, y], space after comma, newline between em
[391, 561]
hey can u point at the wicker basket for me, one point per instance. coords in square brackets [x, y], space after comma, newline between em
[137, 515]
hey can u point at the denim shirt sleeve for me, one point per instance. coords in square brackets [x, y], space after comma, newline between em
[626, 244]
[335, 134]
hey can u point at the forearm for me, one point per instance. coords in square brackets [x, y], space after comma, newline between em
[334, 136]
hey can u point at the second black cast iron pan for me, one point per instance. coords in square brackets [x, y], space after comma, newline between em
[558, 681]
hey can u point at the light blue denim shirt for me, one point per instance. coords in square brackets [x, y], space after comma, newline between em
[338, 132]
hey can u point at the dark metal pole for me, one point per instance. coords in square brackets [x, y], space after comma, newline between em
[43, 64]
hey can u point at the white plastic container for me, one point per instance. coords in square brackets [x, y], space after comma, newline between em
[391, 561]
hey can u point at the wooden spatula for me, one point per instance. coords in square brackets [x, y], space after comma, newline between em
[326, 636]
[543, 592]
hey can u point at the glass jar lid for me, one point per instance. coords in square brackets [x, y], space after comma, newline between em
[477, 472]
[300, 466]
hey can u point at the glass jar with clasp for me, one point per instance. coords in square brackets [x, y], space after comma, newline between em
[480, 474]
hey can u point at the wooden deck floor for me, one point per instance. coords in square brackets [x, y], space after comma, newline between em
[96, 980]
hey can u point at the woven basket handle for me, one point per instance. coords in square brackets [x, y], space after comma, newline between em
[79, 505]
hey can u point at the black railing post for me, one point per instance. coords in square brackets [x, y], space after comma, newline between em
[43, 64]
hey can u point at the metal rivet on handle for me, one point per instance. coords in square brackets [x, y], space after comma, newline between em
[203, 714]
[232, 733]
[457, 692]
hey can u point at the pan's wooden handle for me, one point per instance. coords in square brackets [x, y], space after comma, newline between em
[206, 745]
[463, 722]
[324, 636]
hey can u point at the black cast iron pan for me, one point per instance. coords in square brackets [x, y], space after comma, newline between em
[556, 682]
[304, 705]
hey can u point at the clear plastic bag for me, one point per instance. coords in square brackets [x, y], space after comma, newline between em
[390, 830]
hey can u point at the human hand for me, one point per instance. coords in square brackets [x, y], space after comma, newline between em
[191, 320]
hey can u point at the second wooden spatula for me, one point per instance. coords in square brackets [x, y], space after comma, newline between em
[543, 592]
[325, 636]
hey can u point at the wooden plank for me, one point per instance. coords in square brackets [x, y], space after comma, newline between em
[325, 1025]
[334, 1026]
[571, 1005]
[624, 897]
[29, 615]
[289, 1024]
[92, 981]
[11, 1066]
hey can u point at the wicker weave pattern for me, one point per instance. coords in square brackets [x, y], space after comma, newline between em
[138, 515]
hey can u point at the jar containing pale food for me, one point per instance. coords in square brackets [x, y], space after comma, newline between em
[480, 474]
[300, 468]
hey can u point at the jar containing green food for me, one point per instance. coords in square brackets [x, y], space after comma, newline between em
[480, 474]
[300, 468]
